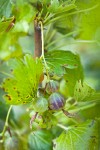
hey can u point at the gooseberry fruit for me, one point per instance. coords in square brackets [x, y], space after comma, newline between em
[52, 86]
[40, 105]
[12, 143]
[56, 101]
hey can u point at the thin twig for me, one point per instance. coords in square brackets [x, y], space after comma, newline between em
[42, 37]
[32, 119]
[6, 122]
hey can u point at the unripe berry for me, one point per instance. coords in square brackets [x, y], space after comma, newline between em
[56, 101]
[11, 143]
[52, 86]
[40, 105]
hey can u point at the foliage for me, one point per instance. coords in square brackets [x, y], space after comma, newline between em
[22, 89]
[79, 137]
[40, 140]
[24, 79]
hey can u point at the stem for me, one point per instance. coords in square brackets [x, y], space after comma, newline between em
[86, 41]
[6, 122]
[42, 37]
[58, 39]
[11, 25]
[32, 119]
[70, 115]
[38, 40]
[82, 108]
[63, 127]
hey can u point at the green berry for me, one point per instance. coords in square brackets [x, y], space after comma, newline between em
[40, 105]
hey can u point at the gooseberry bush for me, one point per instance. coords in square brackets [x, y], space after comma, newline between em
[45, 101]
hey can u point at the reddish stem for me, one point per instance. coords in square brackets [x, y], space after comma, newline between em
[70, 115]
[11, 25]
[33, 118]
[37, 39]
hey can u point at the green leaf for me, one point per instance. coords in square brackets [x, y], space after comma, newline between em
[44, 1]
[54, 5]
[5, 8]
[97, 36]
[67, 63]
[27, 12]
[83, 92]
[58, 60]
[88, 109]
[21, 26]
[82, 137]
[4, 24]
[10, 47]
[71, 77]
[58, 10]
[22, 86]
[40, 140]
[88, 20]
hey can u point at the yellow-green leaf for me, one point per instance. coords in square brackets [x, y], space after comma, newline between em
[22, 86]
